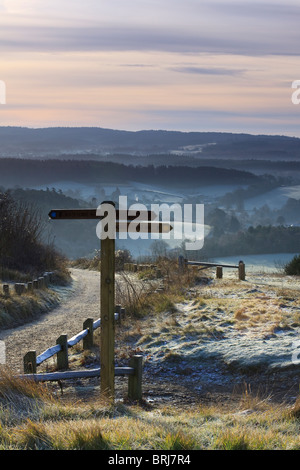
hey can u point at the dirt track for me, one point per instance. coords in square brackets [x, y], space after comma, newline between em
[79, 302]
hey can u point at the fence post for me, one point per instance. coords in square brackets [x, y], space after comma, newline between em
[135, 380]
[46, 279]
[242, 273]
[41, 282]
[181, 263]
[107, 308]
[20, 288]
[29, 362]
[62, 355]
[118, 310]
[88, 340]
[6, 290]
[219, 272]
[123, 313]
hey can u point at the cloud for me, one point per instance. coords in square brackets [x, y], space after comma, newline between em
[208, 70]
[263, 11]
[118, 37]
[211, 26]
[216, 26]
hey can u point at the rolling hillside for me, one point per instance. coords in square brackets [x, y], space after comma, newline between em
[51, 142]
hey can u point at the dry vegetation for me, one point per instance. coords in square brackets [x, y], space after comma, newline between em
[182, 326]
[31, 418]
[16, 310]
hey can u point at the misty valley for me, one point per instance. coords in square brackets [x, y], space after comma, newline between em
[250, 188]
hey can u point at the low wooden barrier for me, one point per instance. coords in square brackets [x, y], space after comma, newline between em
[182, 262]
[21, 288]
[31, 361]
[134, 268]
[134, 372]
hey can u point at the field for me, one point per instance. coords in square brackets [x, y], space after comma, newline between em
[220, 372]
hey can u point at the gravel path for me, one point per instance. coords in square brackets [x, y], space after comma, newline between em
[79, 302]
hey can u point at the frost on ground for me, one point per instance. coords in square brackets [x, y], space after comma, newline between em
[229, 332]
[239, 327]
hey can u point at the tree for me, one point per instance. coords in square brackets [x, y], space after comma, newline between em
[234, 225]
[159, 248]
[20, 238]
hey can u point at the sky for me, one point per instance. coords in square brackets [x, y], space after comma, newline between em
[192, 65]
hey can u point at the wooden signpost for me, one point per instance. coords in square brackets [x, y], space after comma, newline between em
[107, 282]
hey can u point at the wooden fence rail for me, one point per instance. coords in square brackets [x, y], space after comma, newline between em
[134, 373]
[219, 271]
[32, 361]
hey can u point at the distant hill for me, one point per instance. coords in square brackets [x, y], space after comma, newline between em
[94, 142]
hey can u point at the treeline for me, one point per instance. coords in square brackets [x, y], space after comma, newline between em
[45, 199]
[255, 240]
[76, 238]
[261, 147]
[264, 184]
[26, 172]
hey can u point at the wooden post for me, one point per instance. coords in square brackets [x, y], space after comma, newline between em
[123, 313]
[62, 355]
[46, 279]
[20, 288]
[118, 310]
[135, 380]
[181, 263]
[6, 290]
[88, 340]
[107, 301]
[242, 273]
[29, 362]
[219, 272]
[41, 282]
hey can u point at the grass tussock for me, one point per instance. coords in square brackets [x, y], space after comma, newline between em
[260, 313]
[143, 294]
[16, 310]
[33, 419]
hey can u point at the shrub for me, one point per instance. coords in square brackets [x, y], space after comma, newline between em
[21, 246]
[293, 267]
